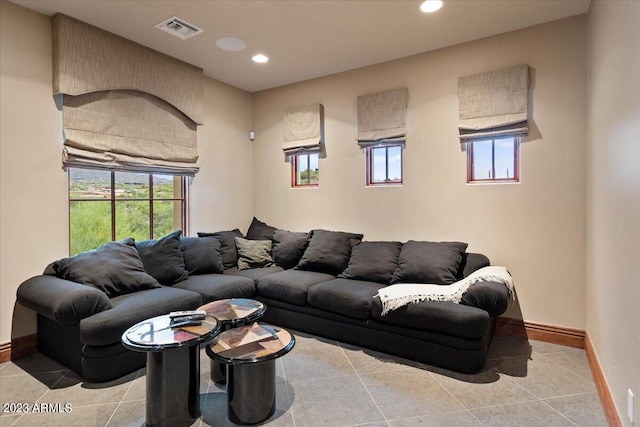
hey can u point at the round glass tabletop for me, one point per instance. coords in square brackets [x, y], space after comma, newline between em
[235, 310]
[157, 334]
[253, 343]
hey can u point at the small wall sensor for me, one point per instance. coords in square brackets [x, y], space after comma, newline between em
[252, 135]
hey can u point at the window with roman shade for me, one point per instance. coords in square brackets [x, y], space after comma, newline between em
[125, 106]
[303, 130]
[494, 104]
[382, 118]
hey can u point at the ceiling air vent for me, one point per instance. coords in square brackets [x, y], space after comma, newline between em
[179, 28]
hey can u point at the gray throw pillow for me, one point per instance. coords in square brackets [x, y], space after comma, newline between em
[114, 268]
[429, 262]
[288, 247]
[162, 258]
[373, 261]
[228, 245]
[328, 252]
[258, 230]
[253, 253]
[202, 255]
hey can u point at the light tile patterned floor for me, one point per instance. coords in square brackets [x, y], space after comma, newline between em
[326, 383]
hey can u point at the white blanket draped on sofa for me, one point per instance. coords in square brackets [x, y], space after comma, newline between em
[401, 294]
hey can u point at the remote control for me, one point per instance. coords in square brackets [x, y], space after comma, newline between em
[183, 313]
[179, 323]
[198, 317]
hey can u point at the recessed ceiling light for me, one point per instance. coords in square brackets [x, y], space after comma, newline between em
[260, 58]
[431, 6]
[230, 44]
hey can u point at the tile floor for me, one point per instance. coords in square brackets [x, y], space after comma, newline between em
[326, 383]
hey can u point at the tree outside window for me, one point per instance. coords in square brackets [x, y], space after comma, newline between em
[107, 205]
[305, 170]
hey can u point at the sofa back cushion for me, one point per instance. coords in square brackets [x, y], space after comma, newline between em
[253, 253]
[202, 255]
[114, 268]
[429, 262]
[228, 245]
[288, 247]
[258, 230]
[328, 251]
[372, 261]
[162, 258]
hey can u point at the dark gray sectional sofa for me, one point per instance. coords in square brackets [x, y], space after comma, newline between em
[316, 287]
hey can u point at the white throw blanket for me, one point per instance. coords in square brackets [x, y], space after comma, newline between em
[396, 296]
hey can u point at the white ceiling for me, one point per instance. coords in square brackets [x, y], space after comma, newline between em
[305, 39]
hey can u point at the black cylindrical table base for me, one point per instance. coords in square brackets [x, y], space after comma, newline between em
[218, 372]
[251, 392]
[173, 386]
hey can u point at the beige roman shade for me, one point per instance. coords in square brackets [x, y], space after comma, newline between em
[494, 103]
[303, 130]
[125, 106]
[382, 118]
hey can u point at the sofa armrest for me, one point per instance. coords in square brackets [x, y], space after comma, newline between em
[61, 300]
[493, 297]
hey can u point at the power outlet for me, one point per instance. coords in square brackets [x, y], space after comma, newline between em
[630, 405]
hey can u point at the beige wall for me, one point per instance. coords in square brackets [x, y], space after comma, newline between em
[536, 227]
[221, 195]
[34, 225]
[34, 209]
[613, 195]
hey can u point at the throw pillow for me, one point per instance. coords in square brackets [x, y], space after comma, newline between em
[429, 262]
[373, 261]
[202, 255]
[288, 247]
[253, 253]
[228, 245]
[328, 251]
[162, 258]
[114, 268]
[258, 230]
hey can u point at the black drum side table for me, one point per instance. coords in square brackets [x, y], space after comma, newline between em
[173, 367]
[231, 313]
[250, 352]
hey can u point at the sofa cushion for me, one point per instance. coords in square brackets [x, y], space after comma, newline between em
[373, 261]
[444, 317]
[107, 327]
[429, 262]
[253, 253]
[114, 268]
[228, 245]
[258, 230]
[350, 298]
[328, 251]
[162, 258]
[288, 247]
[254, 274]
[290, 285]
[202, 255]
[219, 286]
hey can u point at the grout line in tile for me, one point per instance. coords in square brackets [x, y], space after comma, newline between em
[123, 396]
[456, 399]
[36, 373]
[567, 369]
[384, 417]
[560, 413]
[435, 415]
[286, 389]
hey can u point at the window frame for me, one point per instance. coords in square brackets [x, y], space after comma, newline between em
[517, 139]
[112, 200]
[369, 166]
[294, 171]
